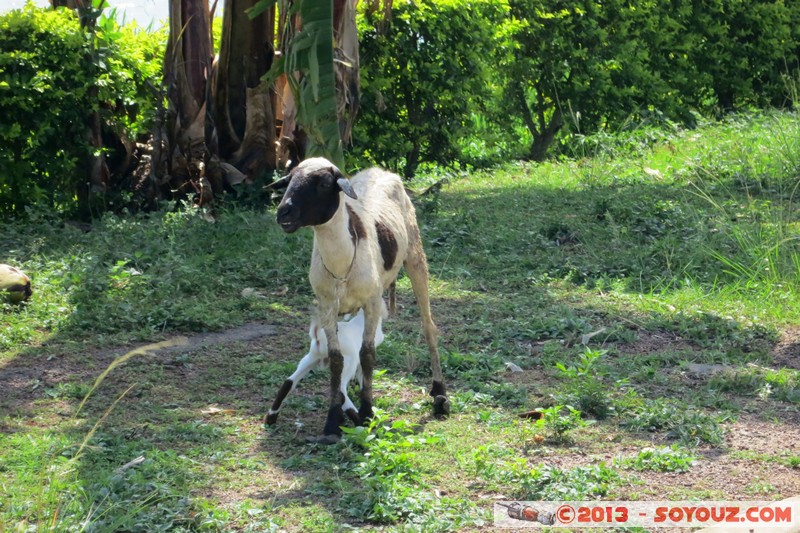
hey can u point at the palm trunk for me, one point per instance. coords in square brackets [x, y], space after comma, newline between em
[244, 106]
[187, 66]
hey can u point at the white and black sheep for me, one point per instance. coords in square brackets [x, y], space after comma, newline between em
[350, 333]
[365, 229]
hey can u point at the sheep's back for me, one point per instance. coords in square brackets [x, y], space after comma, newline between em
[383, 198]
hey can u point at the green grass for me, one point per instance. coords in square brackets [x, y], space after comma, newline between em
[602, 276]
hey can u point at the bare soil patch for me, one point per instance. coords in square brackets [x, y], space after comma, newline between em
[786, 353]
[23, 379]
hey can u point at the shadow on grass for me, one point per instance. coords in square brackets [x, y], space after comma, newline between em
[194, 415]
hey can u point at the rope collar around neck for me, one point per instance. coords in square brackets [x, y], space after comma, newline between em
[352, 261]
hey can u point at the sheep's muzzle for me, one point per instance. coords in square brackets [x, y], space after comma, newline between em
[286, 219]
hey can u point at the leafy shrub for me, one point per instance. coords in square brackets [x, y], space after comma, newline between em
[129, 75]
[424, 74]
[53, 76]
[660, 459]
[391, 487]
[584, 66]
[681, 422]
[783, 384]
[586, 388]
[558, 421]
[44, 83]
[544, 482]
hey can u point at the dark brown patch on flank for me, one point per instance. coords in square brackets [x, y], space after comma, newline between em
[387, 243]
[356, 227]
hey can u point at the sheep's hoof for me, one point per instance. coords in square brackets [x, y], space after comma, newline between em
[352, 414]
[270, 419]
[365, 414]
[441, 406]
[323, 439]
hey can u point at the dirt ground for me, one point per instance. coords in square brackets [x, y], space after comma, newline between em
[746, 467]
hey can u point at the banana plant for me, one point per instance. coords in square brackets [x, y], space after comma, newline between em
[308, 62]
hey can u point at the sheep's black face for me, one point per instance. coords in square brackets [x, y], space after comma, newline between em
[312, 196]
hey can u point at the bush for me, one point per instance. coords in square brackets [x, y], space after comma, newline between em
[425, 74]
[44, 83]
[54, 75]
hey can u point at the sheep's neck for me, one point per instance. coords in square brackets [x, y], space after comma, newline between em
[336, 247]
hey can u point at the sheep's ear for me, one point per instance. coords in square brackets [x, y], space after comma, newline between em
[344, 184]
[281, 183]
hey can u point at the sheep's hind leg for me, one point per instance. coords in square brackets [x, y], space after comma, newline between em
[305, 366]
[349, 408]
[416, 266]
[393, 299]
[372, 317]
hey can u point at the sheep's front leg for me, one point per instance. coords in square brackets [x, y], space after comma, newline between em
[332, 432]
[372, 315]
[306, 365]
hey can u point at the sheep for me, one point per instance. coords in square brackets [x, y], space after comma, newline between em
[350, 333]
[365, 229]
[14, 284]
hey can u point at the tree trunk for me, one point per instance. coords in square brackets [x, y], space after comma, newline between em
[543, 133]
[244, 107]
[187, 69]
[346, 61]
[542, 140]
[220, 124]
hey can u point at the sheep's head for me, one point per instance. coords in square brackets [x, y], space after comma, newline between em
[312, 194]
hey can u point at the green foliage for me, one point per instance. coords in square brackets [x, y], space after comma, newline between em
[710, 329]
[392, 486]
[136, 276]
[41, 471]
[585, 66]
[44, 82]
[544, 482]
[660, 459]
[558, 421]
[50, 70]
[129, 70]
[754, 45]
[783, 384]
[586, 387]
[309, 69]
[581, 482]
[684, 423]
[424, 74]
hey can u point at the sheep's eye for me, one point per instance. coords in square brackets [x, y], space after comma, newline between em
[325, 184]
